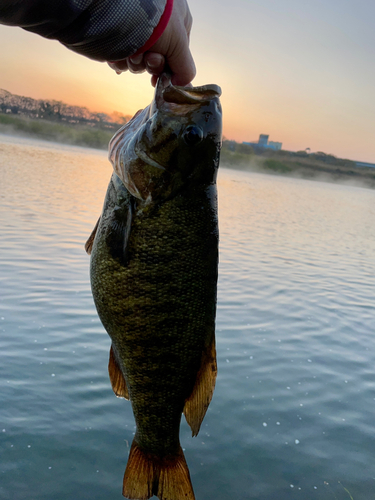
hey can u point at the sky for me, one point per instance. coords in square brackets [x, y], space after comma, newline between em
[302, 71]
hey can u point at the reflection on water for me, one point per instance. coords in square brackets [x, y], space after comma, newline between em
[292, 413]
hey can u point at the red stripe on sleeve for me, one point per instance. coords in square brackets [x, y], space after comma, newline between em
[159, 30]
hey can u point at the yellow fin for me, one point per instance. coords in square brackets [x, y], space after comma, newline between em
[116, 377]
[197, 403]
[89, 243]
[147, 475]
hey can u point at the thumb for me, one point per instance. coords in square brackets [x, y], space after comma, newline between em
[181, 62]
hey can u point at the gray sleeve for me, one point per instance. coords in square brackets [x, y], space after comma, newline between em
[104, 30]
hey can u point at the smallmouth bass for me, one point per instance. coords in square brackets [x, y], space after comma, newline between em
[154, 261]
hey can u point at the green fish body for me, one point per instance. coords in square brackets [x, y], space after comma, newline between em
[154, 261]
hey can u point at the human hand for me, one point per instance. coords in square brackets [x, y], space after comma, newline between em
[171, 50]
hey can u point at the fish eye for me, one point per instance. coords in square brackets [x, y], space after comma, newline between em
[193, 135]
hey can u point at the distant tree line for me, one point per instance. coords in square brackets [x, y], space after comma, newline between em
[57, 111]
[237, 147]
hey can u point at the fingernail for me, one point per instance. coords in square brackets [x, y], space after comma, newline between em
[136, 59]
[153, 64]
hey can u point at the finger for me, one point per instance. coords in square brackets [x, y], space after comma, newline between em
[154, 62]
[136, 59]
[119, 65]
[154, 80]
[188, 22]
[137, 69]
[182, 65]
[137, 63]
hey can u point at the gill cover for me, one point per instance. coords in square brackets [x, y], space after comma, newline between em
[161, 145]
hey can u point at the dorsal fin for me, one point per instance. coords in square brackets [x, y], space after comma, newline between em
[197, 403]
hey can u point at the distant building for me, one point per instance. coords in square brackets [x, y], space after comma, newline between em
[275, 145]
[264, 143]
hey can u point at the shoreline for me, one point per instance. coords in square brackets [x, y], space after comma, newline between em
[63, 133]
[300, 168]
[279, 164]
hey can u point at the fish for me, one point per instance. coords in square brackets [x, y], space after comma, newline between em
[154, 271]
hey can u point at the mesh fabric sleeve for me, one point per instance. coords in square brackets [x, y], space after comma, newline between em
[104, 30]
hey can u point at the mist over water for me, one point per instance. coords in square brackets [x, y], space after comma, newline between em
[293, 411]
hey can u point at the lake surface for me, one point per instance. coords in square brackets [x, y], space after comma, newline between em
[293, 414]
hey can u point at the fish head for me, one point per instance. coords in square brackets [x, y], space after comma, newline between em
[173, 143]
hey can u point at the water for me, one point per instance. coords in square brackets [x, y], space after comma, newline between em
[293, 412]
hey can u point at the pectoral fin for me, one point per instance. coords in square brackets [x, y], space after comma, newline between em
[90, 241]
[116, 377]
[196, 405]
[119, 227]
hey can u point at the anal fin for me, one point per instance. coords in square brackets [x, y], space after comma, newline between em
[89, 243]
[197, 403]
[116, 377]
[147, 475]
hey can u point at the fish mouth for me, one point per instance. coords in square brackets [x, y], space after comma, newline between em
[166, 92]
[179, 100]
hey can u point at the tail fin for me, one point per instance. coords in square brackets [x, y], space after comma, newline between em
[147, 475]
